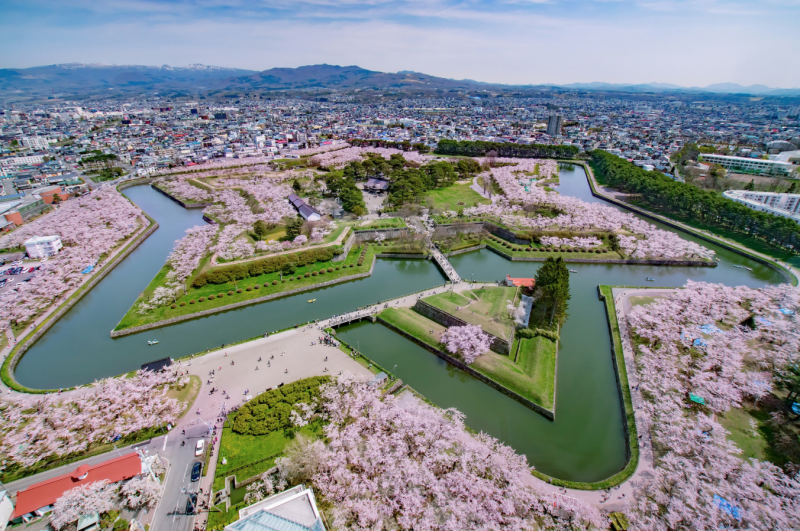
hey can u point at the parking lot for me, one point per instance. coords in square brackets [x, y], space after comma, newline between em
[11, 275]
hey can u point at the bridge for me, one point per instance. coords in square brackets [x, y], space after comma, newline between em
[444, 264]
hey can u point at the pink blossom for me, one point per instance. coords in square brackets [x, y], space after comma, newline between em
[470, 341]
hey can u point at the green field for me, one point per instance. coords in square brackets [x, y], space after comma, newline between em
[450, 197]
[533, 376]
[415, 324]
[483, 306]
[133, 318]
[386, 223]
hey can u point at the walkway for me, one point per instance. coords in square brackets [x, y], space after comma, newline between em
[448, 269]
[478, 188]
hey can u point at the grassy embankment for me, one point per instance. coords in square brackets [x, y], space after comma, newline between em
[386, 223]
[243, 290]
[485, 306]
[455, 197]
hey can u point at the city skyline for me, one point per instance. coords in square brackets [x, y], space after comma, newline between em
[682, 43]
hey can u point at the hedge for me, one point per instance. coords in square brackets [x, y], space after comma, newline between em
[225, 274]
[271, 410]
[530, 333]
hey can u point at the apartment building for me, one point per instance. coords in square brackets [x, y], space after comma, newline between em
[784, 205]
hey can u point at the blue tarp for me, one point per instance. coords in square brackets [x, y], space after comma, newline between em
[710, 329]
[796, 408]
[699, 399]
[699, 342]
[786, 311]
[727, 507]
[763, 321]
[88, 269]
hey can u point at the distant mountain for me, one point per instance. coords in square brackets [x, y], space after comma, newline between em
[76, 78]
[101, 80]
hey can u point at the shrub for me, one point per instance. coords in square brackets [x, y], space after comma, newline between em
[173, 306]
[201, 299]
[299, 277]
[338, 268]
[220, 295]
[330, 270]
[283, 281]
[183, 304]
[291, 279]
[274, 282]
[192, 301]
[257, 286]
[321, 271]
[307, 274]
[239, 290]
[211, 297]
[314, 273]
[351, 265]
[230, 293]
[249, 288]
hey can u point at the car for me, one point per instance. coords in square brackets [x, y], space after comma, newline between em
[31, 269]
[198, 449]
[196, 469]
[191, 503]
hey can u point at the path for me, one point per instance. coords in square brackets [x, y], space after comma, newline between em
[478, 188]
[448, 269]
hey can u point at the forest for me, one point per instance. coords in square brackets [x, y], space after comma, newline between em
[503, 149]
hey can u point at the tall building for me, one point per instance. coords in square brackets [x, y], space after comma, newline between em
[785, 205]
[35, 142]
[554, 125]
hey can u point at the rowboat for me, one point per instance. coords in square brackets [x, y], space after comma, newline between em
[572, 271]
[154, 342]
[312, 300]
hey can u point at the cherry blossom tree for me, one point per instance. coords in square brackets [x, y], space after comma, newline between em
[84, 500]
[470, 341]
[141, 492]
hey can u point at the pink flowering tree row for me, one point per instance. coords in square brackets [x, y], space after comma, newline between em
[576, 242]
[403, 464]
[693, 342]
[469, 341]
[49, 426]
[90, 227]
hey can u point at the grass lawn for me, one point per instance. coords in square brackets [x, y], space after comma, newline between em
[386, 223]
[260, 287]
[611, 255]
[450, 197]
[532, 376]
[415, 324]
[187, 394]
[745, 433]
[642, 301]
[483, 306]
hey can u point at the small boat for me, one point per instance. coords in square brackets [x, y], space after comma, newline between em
[572, 271]
[717, 259]
[748, 268]
[740, 267]
[312, 300]
[154, 342]
[650, 279]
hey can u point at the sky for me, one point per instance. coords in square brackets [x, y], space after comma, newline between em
[683, 42]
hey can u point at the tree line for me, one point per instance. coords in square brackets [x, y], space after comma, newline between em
[552, 289]
[662, 193]
[479, 148]
[405, 145]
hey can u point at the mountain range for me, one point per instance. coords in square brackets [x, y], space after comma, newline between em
[100, 79]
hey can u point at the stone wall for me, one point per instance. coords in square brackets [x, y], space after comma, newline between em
[467, 250]
[466, 368]
[258, 300]
[366, 235]
[86, 288]
[455, 229]
[499, 345]
[347, 246]
[565, 256]
[181, 203]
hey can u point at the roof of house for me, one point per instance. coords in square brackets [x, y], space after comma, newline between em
[47, 492]
[306, 211]
[41, 239]
[377, 183]
[292, 510]
[525, 282]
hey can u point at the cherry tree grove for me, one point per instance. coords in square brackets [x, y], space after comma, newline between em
[470, 341]
[141, 492]
[575, 214]
[83, 500]
[48, 426]
[401, 464]
[723, 345]
[90, 227]
[576, 242]
[341, 158]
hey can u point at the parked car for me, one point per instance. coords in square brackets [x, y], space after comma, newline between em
[31, 269]
[196, 469]
[191, 503]
[198, 449]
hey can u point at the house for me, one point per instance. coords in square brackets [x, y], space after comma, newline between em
[517, 282]
[41, 496]
[6, 508]
[308, 212]
[292, 510]
[48, 194]
[376, 185]
[43, 246]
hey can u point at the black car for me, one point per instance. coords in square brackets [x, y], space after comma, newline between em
[196, 469]
[191, 504]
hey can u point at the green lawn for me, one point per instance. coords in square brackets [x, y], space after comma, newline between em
[133, 318]
[483, 306]
[611, 255]
[745, 435]
[386, 223]
[450, 197]
[642, 301]
[415, 324]
[532, 376]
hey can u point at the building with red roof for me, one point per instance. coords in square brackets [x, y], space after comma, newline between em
[46, 493]
[517, 282]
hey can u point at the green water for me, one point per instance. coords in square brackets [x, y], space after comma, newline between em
[584, 443]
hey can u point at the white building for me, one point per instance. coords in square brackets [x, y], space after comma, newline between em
[749, 165]
[784, 205]
[291, 510]
[43, 246]
[25, 159]
[35, 142]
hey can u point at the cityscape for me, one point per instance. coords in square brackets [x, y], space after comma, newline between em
[238, 295]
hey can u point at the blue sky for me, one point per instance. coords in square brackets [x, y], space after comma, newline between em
[686, 42]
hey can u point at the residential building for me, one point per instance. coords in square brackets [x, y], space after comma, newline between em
[35, 142]
[6, 508]
[292, 510]
[43, 246]
[554, 125]
[784, 205]
[749, 165]
[307, 212]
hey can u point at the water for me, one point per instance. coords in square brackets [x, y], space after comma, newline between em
[584, 443]
[78, 349]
